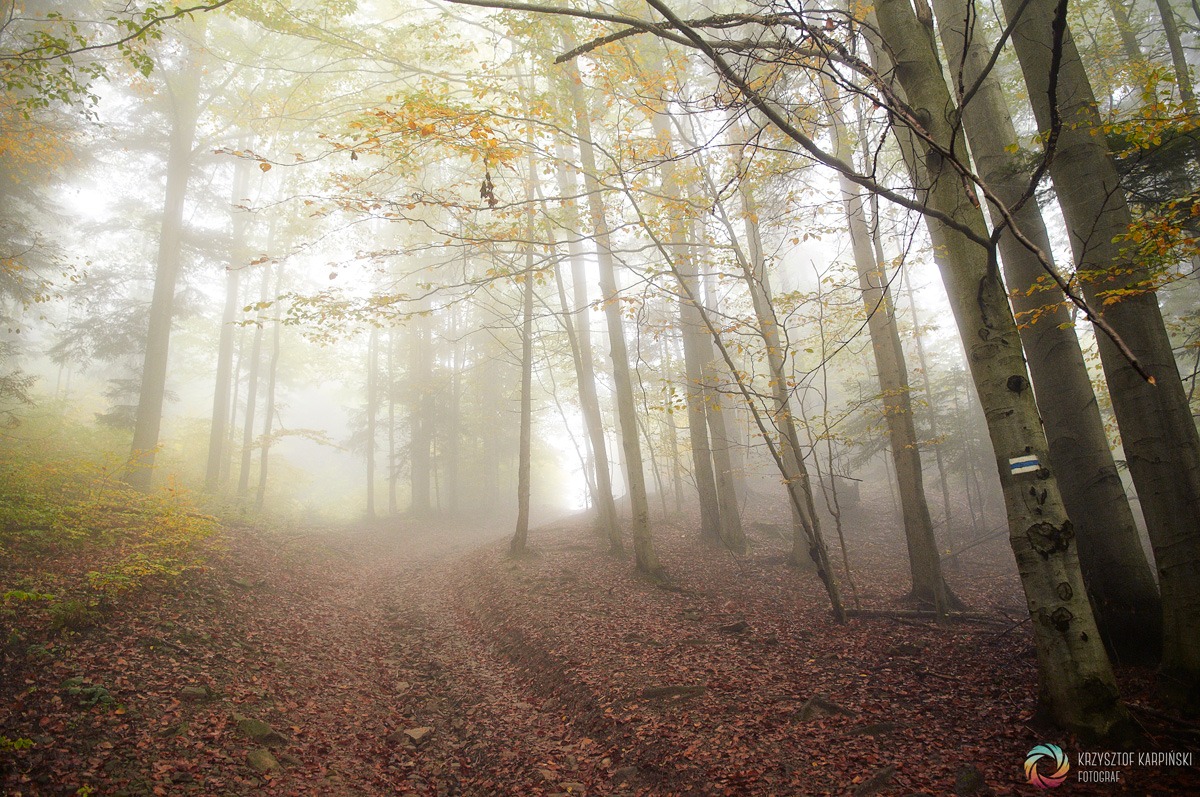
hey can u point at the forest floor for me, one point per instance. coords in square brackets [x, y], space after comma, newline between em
[404, 658]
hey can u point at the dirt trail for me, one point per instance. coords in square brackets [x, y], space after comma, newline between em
[404, 659]
[340, 640]
[363, 639]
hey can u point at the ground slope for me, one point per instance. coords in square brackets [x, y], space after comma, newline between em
[404, 658]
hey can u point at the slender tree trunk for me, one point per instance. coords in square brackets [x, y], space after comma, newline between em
[777, 426]
[1118, 577]
[520, 537]
[390, 394]
[697, 350]
[928, 585]
[1129, 42]
[183, 88]
[420, 418]
[1183, 72]
[269, 407]
[1158, 432]
[805, 525]
[589, 403]
[1077, 684]
[672, 429]
[231, 437]
[454, 419]
[927, 388]
[243, 488]
[219, 429]
[643, 544]
[372, 414]
[732, 534]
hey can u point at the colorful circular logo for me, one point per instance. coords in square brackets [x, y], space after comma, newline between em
[1057, 759]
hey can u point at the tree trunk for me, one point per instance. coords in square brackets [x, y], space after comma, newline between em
[219, 429]
[928, 585]
[589, 402]
[183, 88]
[643, 544]
[1183, 72]
[927, 389]
[672, 429]
[1118, 577]
[1129, 42]
[372, 413]
[1077, 685]
[243, 487]
[390, 394]
[697, 350]
[420, 416]
[733, 536]
[520, 537]
[1157, 429]
[269, 406]
[805, 525]
[231, 437]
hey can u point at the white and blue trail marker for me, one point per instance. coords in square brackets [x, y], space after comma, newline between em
[1026, 464]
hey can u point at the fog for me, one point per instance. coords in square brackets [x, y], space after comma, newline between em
[718, 293]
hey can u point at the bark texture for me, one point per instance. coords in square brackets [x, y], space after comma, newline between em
[1158, 432]
[1118, 577]
[1077, 685]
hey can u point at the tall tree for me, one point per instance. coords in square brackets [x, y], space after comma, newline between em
[1118, 577]
[643, 544]
[520, 537]
[182, 85]
[221, 392]
[585, 370]
[1158, 432]
[928, 585]
[1077, 685]
[697, 350]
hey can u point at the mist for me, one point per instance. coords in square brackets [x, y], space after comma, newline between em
[479, 397]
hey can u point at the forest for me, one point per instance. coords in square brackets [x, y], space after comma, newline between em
[547, 397]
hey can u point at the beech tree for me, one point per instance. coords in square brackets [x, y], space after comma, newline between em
[1158, 432]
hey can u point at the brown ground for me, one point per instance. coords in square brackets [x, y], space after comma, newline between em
[533, 677]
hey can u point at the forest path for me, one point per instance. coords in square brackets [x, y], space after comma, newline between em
[400, 658]
[338, 639]
[363, 640]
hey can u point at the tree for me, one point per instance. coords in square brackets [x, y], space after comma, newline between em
[183, 86]
[1077, 685]
[928, 586]
[1118, 578]
[1158, 432]
[643, 544]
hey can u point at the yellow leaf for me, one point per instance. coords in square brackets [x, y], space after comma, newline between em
[266, 167]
